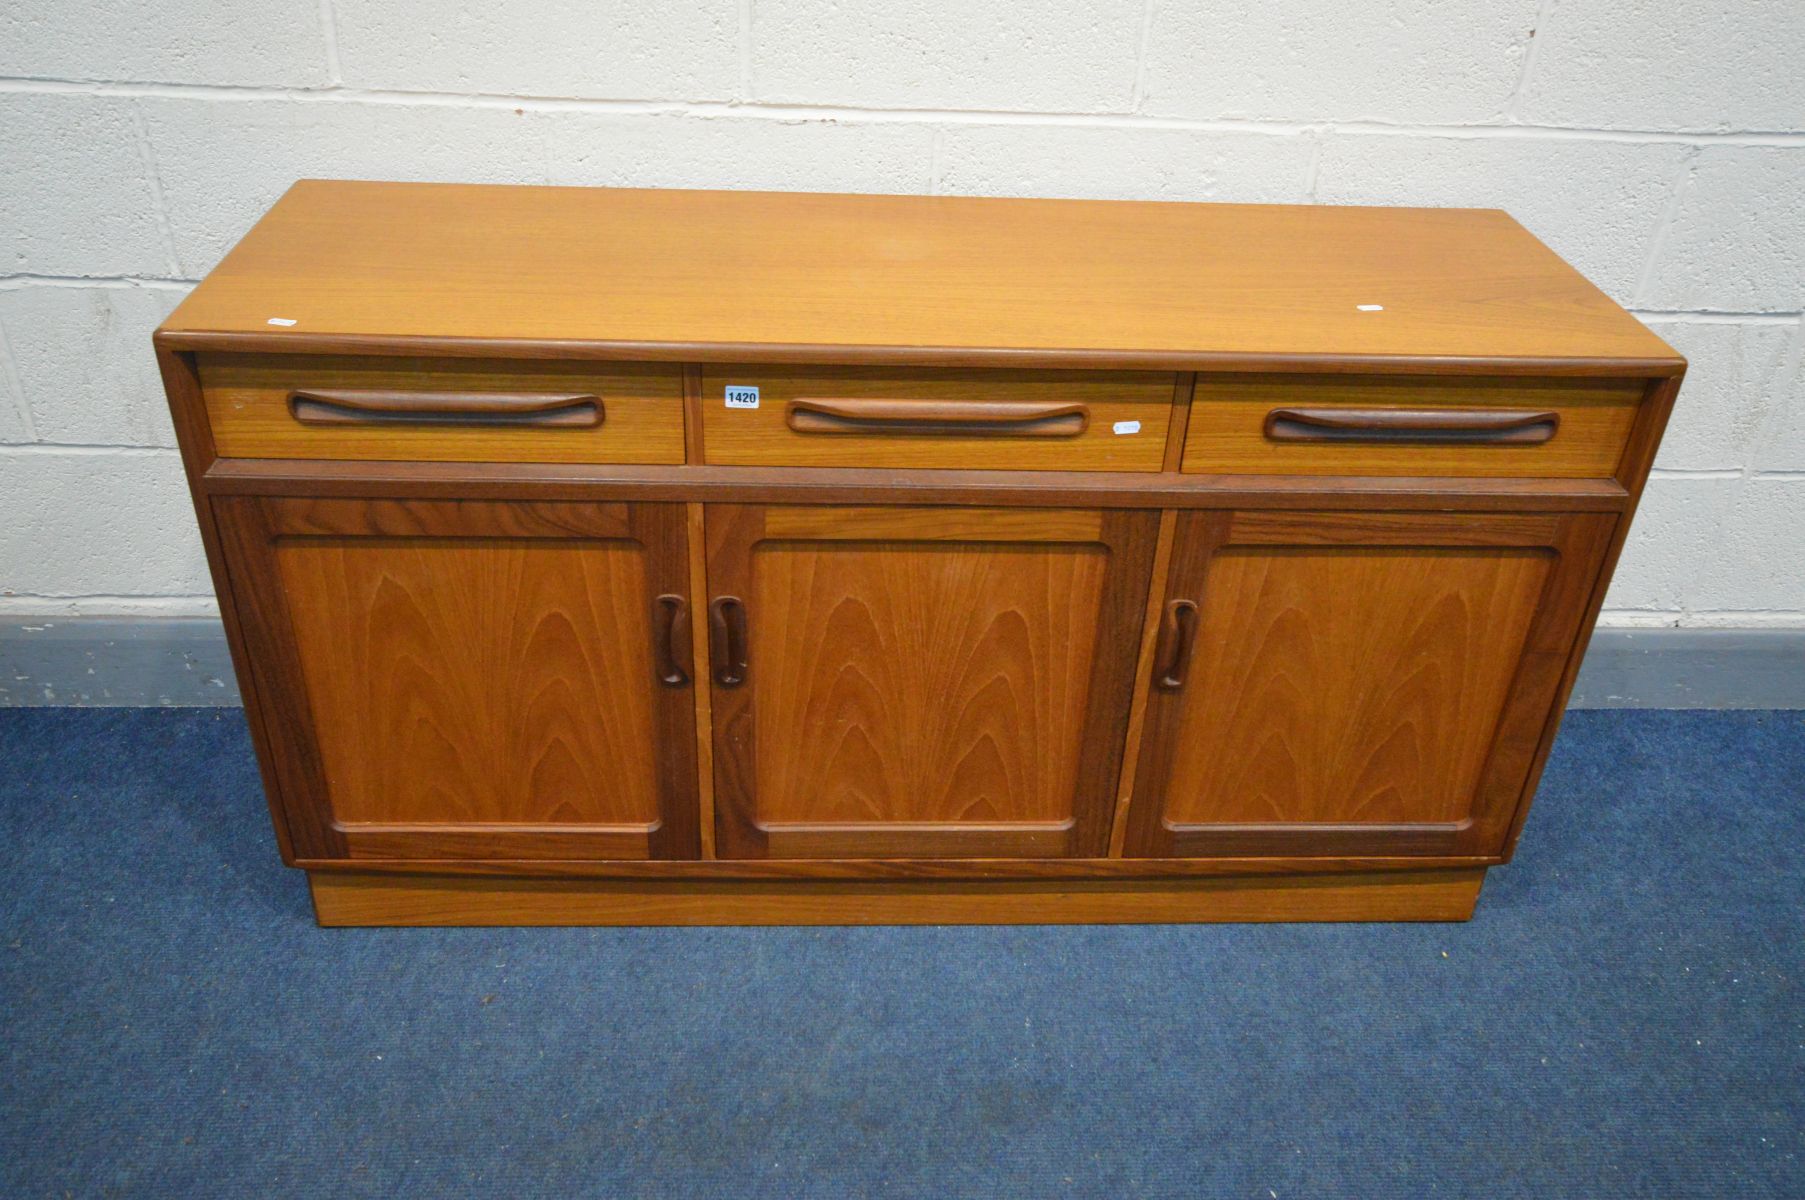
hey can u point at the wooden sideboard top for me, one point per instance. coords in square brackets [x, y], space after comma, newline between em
[738, 276]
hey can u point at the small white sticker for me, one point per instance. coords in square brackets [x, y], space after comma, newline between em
[1370, 307]
[1127, 427]
[742, 397]
[281, 321]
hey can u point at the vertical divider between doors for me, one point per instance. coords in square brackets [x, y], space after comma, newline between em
[1197, 535]
[692, 414]
[701, 677]
[1184, 387]
[701, 683]
[1143, 680]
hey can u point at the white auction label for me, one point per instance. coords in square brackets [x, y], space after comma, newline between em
[742, 397]
[1128, 426]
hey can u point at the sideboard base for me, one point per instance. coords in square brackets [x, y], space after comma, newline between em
[372, 898]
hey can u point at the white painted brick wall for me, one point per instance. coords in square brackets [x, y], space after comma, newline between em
[1360, 60]
[1659, 147]
[269, 42]
[1597, 203]
[603, 49]
[78, 353]
[1676, 532]
[682, 150]
[1738, 375]
[223, 162]
[1101, 162]
[1028, 55]
[1653, 64]
[1737, 238]
[76, 196]
[97, 523]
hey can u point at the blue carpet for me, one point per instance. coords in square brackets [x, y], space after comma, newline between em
[1624, 1017]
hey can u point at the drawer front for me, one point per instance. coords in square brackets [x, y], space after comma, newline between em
[1328, 425]
[443, 410]
[1001, 420]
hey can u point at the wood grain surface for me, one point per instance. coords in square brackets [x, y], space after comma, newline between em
[933, 682]
[194, 439]
[1226, 433]
[1107, 400]
[386, 899]
[247, 395]
[955, 703]
[1143, 680]
[933, 280]
[1638, 459]
[1349, 686]
[475, 678]
[1356, 683]
[920, 869]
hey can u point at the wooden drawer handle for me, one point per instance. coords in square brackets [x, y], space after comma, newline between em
[536, 410]
[959, 418]
[727, 640]
[670, 640]
[1177, 630]
[1427, 425]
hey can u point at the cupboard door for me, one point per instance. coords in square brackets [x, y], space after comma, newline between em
[921, 682]
[1355, 683]
[472, 679]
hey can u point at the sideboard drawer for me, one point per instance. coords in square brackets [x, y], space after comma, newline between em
[895, 417]
[444, 410]
[1341, 425]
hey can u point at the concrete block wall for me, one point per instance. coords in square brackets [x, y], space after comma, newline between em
[1659, 147]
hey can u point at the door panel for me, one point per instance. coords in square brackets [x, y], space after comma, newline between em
[477, 680]
[1354, 683]
[921, 682]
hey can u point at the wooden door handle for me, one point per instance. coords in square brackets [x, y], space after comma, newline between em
[1177, 629]
[670, 640]
[1475, 427]
[535, 410]
[727, 640]
[958, 418]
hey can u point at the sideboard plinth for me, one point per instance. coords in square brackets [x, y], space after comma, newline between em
[373, 898]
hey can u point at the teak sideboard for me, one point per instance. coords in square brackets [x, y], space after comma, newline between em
[639, 557]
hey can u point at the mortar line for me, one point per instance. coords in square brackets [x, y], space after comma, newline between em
[1670, 211]
[20, 404]
[1728, 619]
[1513, 107]
[106, 596]
[1712, 316]
[84, 449]
[48, 609]
[22, 280]
[1137, 90]
[744, 8]
[159, 206]
[854, 113]
[335, 76]
[1792, 363]
[1313, 171]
